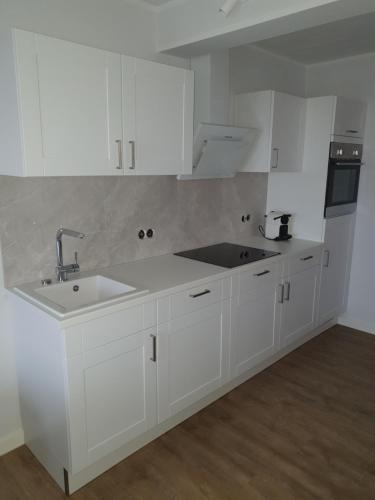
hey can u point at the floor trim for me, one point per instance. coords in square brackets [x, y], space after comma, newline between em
[11, 441]
[357, 324]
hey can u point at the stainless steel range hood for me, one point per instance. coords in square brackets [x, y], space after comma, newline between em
[219, 148]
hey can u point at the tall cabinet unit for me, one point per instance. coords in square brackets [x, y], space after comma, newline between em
[328, 119]
[279, 120]
[336, 262]
[86, 111]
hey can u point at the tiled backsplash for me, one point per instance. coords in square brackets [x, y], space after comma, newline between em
[111, 210]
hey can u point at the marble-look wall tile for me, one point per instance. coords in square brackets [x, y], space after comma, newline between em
[184, 214]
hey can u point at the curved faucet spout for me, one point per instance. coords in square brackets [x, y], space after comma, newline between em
[61, 270]
[69, 232]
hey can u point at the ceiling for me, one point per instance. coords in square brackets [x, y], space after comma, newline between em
[349, 37]
[156, 3]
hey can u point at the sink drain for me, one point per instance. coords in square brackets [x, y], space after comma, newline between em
[75, 288]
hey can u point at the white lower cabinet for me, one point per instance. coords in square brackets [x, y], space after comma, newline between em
[298, 307]
[112, 396]
[254, 318]
[335, 271]
[115, 376]
[192, 354]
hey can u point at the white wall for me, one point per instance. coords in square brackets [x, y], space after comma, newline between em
[354, 77]
[107, 24]
[253, 69]
[11, 434]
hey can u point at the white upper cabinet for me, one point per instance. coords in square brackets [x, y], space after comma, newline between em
[349, 118]
[280, 120]
[158, 118]
[86, 111]
[70, 107]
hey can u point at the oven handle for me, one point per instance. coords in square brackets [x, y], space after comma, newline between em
[342, 164]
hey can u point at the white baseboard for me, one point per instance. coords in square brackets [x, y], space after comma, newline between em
[11, 441]
[357, 324]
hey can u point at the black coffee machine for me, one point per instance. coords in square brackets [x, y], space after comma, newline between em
[283, 230]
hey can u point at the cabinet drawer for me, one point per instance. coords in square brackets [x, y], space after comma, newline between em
[304, 260]
[260, 276]
[112, 327]
[195, 298]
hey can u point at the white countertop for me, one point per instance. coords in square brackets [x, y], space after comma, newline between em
[163, 274]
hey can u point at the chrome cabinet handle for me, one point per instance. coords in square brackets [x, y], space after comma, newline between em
[132, 164]
[205, 292]
[153, 357]
[351, 131]
[262, 273]
[276, 150]
[119, 151]
[287, 293]
[307, 258]
[281, 294]
[328, 254]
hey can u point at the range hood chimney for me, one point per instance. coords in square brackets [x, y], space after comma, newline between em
[218, 147]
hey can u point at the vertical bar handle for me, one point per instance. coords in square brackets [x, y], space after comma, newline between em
[153, 357]
[119, 152]
[328, 256]
[287, 293]
[275, 164]
[281, 294]
[132, 163]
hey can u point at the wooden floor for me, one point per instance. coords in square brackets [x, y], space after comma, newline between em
[302, 429]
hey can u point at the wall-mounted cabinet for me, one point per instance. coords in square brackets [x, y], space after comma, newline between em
[279, 119]
[348, 119]
[158, 117]
[85, 111]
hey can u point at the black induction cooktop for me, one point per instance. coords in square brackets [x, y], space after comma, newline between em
[227, 254]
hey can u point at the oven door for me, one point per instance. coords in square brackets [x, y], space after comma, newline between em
[342, 187]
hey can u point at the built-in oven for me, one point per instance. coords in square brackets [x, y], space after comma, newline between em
[345, 160]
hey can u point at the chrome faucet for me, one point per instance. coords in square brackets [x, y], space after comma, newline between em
[62, 271]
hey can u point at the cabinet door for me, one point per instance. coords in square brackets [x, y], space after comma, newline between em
[287, 133]
[350, 118]
[192, 357]
[254, 335]
[335, 267]
[112, 396]
[70, 105]
[158, 118]
[255, 110]
[298, 309]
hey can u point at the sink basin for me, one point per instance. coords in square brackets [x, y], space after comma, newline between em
[78, 293]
